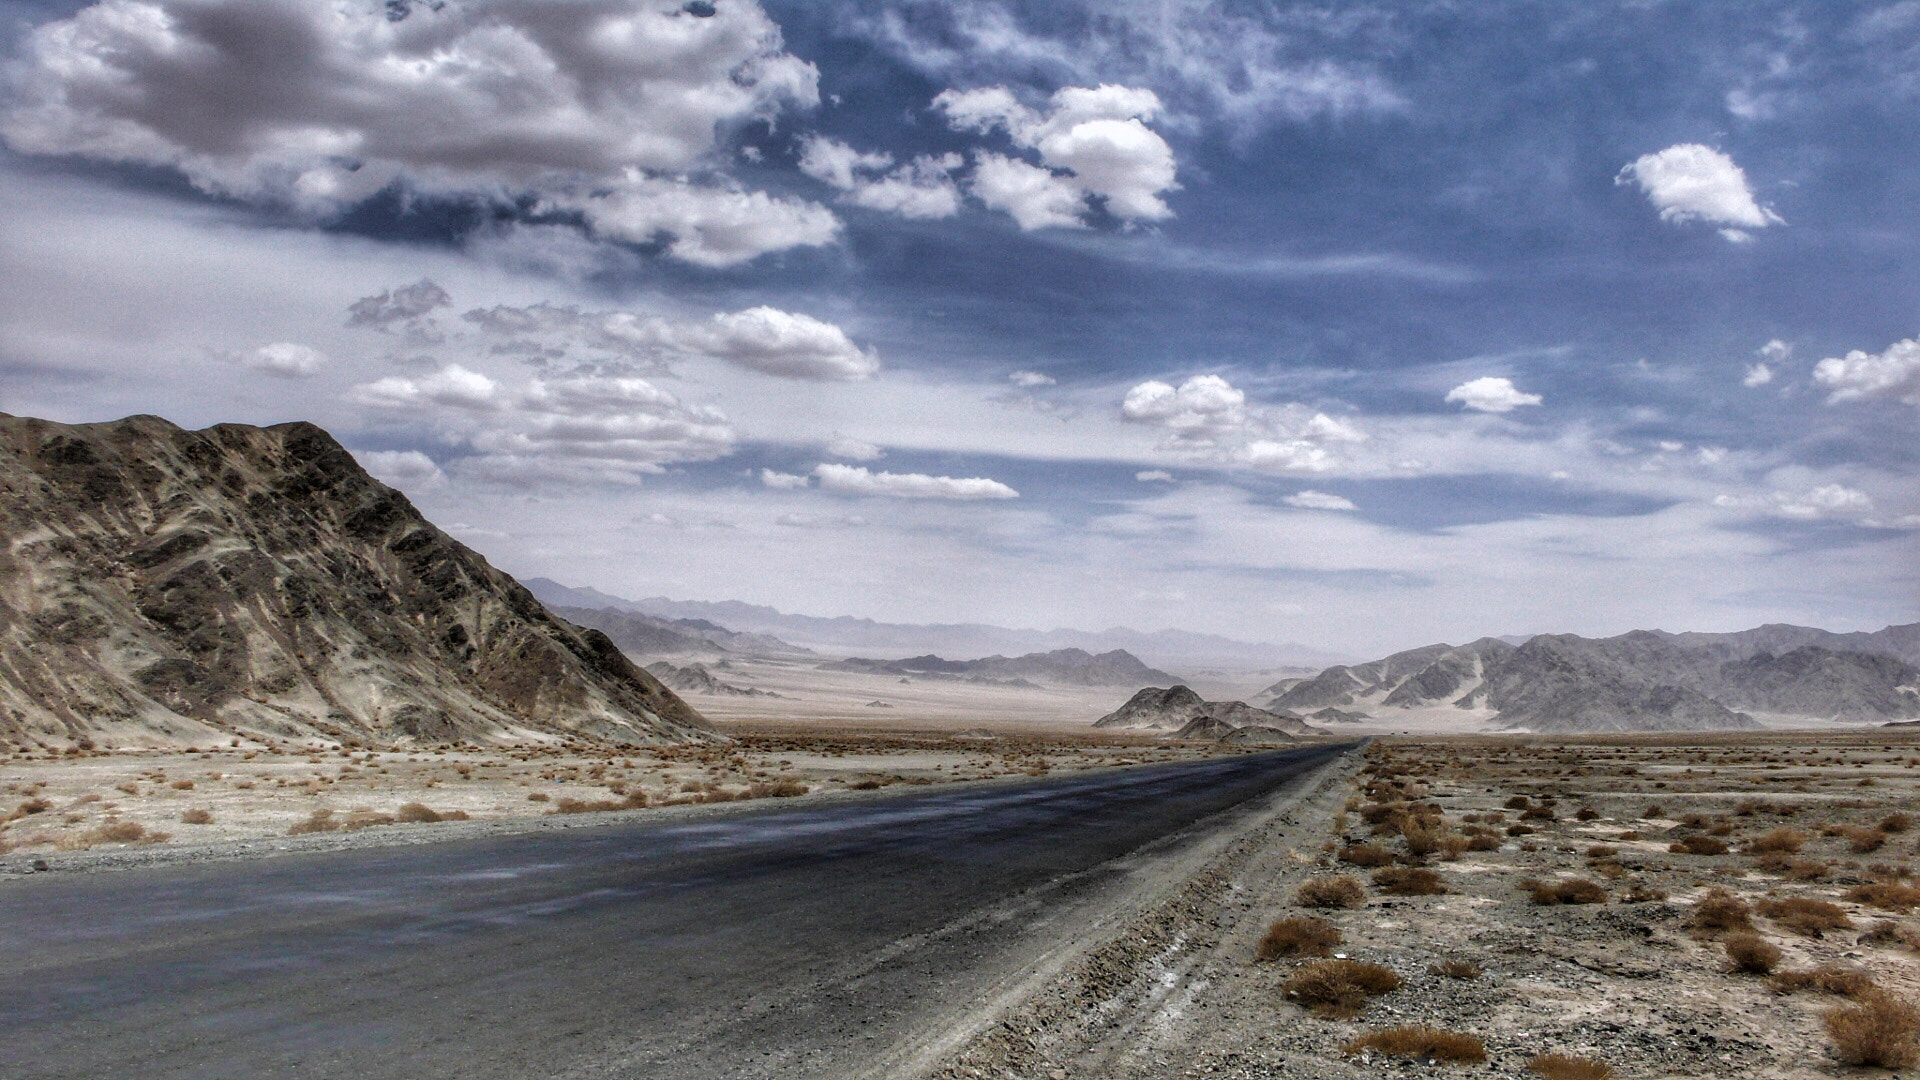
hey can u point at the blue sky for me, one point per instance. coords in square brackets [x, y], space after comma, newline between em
[1356, 325]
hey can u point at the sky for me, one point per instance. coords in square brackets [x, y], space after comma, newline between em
[1357, 325]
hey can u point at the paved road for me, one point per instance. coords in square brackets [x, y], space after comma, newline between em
[786, 941]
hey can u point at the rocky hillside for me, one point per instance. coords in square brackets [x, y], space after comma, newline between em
[1072, 667]
[1640, 681]
[1181, 712]
[159, 585]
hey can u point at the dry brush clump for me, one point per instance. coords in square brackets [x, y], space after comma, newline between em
[1698, 845]
[1339, 989]
[1299, 935]
[1777, 842]
[1421, 1042]
[1331, 892]
[1804, 915]
[1368, 855]
[1751, 954]
[1408, 881]
[1456, 969]
[1826, 979]
[1719, 912]
[1568, 1067]
[1878, 1030]
[1565, 891]
[1886, 895]
[197, 816]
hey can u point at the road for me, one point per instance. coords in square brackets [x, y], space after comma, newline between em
[786, 941]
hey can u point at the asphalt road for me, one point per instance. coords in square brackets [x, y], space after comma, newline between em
[785, 941]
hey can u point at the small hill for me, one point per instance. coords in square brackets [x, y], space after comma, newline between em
[1072, 667]
[696, 679]
[1179, 710]
[163, 586]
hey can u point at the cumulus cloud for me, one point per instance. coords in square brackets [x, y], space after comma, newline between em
[1689, 182]
[782, 481]
[1209, 417]
[1757, 375]
[845, 446]
[452, 387]
[1491, 394]
[1827, 500]
[763, 339]
[854, 480]
[404, 469]
[1091, 141]
[1860, 376]
[923, 188]
[1318, 500]
[320, 105]
[285, 359]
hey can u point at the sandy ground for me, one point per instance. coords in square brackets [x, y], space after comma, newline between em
[1633, 982]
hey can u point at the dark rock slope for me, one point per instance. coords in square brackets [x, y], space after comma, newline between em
[1179, 710]
[159, 585]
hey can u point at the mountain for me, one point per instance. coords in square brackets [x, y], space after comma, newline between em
[1639, 681]
[159, 585]
[845, 635]
[1179, 710]
[1075, 667]
[646, 635]
[696, 679]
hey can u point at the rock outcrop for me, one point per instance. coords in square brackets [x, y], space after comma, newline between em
[165, 586]
[1177, 709]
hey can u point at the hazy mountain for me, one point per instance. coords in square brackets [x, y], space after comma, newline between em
[1179, 710]
[163, 585]
[846, 635]
[647, 635]
[1075, 667]
[1639, 681]
[696, 679]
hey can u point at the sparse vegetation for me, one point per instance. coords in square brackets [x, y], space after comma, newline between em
[1457, 969]
[1804, 915]
[1568, 1067]
[1332, 892]
[1299, 935]
[1424, 1043]
[1878, 1030]
[1886, 895]
[1565, 891]
[197, 816]
[1751, 954]
[1825, 979]
[1368, 855]
[1408, 881]
[1719, 911]
[1339, 989]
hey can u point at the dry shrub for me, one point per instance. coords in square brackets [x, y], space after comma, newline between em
[1879, 1030]
[1805, 916]
[1862, 839]
[779, 789]
[1519, 830]
[1339, 989]
[1602, 851]
[1366, 855]
[415, 813]
[1425, 1043]
[538, 796]
[1752, 954]
[1453, 845]
[1422, 840]
[1892, 933]
[1826, 979]
[1887, 896]
[1299, 935]
[1408, 881]
[317, 822]
[1537, 813]
[1699, 845]
[1457, 969]
[1586, 813]
[121, 832]
[1565, 891]
[1720, 911]
[1777, 842]
[1568, 1067]
[1518, 802]
[1896, 823]
[182, 785]
[1332, 892]
[197, 816]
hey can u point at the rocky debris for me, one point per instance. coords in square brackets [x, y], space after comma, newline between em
[164, 586]
[1181, 711]
[1073, 667]
[696, 679]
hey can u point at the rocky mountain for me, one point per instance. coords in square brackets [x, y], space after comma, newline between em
[843, 635]
[1639, 681]
[645, 635]
[1177, 709]
[159, 585]
[696, 679]
[1073, 667]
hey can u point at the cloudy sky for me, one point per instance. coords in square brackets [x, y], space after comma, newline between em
[1359, 325]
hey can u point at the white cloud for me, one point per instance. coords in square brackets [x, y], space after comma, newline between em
[1092, 141]
[781, 343]
[1776, 350]
[1209, 417]
[1030, 379]
[319, 104]
[782, 481]
[1491, 394]
[1827, 500]
[1287, 455]
[1860, 375]
[285, 359]
[921, 189]
[845, 446]
[1318, 500]
[1154, 476]
[1689, 182]
[708, 226]
[404, 469]
[853, 480]
[1757, 375]
[1203, 409]
[409, 307]
[452, 386]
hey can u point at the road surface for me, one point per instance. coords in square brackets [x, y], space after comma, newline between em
[786, 941]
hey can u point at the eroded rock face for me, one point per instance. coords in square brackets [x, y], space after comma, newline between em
[162, 585]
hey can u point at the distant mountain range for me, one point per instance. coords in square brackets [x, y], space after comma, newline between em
[647, 635]
[1074, 667]
[162, 586]
[846, 636]
[1640, 681]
